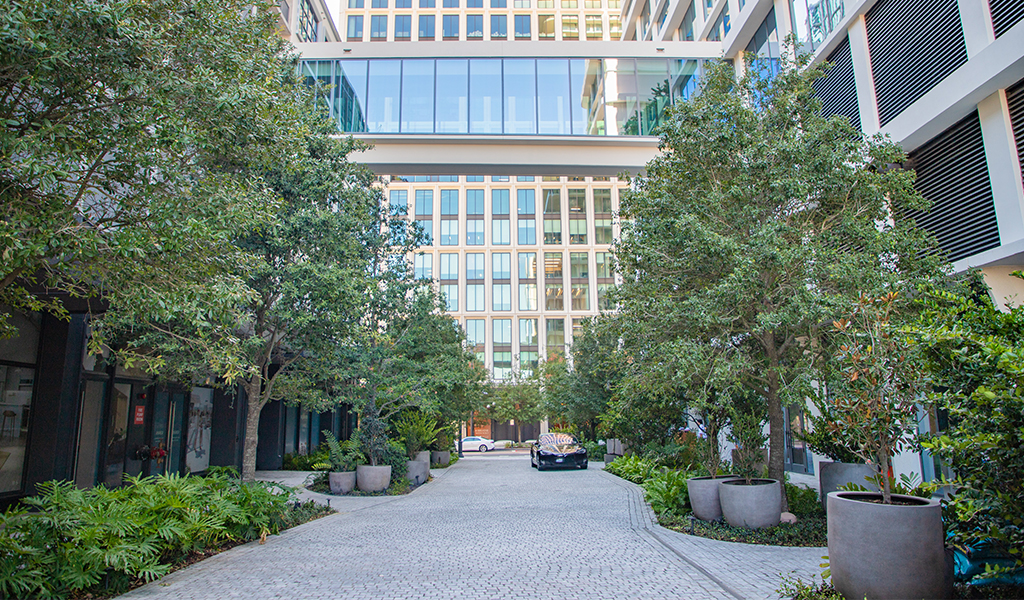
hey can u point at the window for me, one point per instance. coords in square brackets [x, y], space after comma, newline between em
[553, 296]
[594, 27]
[552, 231]
[475, 26]
[603, 201]
[474, 202]
[527, 296]
[527, 332]
[545, 3]
[426, 27]
[502, 332]
[475, 232]
[527, 362]
[355, 28]
[499, 26]
[577, 201]
[555, 332]
[378, 3]
[424, 203]
[450, 26]
[550, 178]
[552, 202]
[427, 227]
[403, 27]
[379, 27]
[355, 3]
[502, 365]
[521, 3]
[450, 232]
[502, 299]
[423, 266]
[577, 328]
[474, 179]
[399, 202]
[500, 232]
[499, 178]
[403, 3]
[501, 265]
[546, 27]
[499, 202]
[525, 202]
[577, 231]
[427, 3]
[476, 332]
[685, 32]
[614, 3]
[475, 297]
[602, 231]
[603, 301]
[449, 202]
[527, 231]
[527, 265]
[450, 3]
[580, 296]
[522, 24]
[553, 265]
[499, 3]
[578, 265]
[603, 265]
[614, 25]
[451, 297]
[591, 3]
[474, 3]
[475, 266]
[570, 3]
[449, 266]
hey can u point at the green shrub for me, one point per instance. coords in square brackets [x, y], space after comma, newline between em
[803, 502]
[667, 493]
[307, 462]
[72, 540]
[595, 451]
[395, 456]
[633, 468]
[797, 589]
[672, 455]
[811, 531]
[342, 456]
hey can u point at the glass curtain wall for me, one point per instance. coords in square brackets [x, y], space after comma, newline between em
[513, 96]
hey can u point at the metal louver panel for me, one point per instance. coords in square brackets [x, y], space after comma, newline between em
[914, 44]
[1005, 14]
[1015, 99]
[952, 173]
[838, 90]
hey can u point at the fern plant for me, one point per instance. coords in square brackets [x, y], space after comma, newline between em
[633, 468]
[667, 492]
[343, 456]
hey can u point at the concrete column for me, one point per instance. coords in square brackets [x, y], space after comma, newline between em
[863, 77]
[1004, 166]
[976, 19]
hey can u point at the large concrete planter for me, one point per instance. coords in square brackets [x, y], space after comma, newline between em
[417, 471]
[442, 458]
[373, 479]
[423, 456]
[886, 550]
[755, 506]
[703, 493]
[834, 475]
[342, 483]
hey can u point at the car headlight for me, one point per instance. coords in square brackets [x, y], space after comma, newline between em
[546, 453]
[581, 451]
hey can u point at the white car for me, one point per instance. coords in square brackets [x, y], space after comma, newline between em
[475, 442]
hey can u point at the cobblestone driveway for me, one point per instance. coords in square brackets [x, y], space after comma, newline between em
[492, 528]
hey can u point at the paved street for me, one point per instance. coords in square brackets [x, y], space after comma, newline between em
[492, 528]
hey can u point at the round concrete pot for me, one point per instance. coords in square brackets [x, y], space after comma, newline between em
[755, 506]
[886, 550]
[609, 458]
[342, 483]
[703, 493]
[834, 475]
[373, 479]
[443, 458]
[417, 471]
[423, 456]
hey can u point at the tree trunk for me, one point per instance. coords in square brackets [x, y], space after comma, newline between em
[254, 406]
[776, 427]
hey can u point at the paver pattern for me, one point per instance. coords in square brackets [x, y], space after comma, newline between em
[491, 528]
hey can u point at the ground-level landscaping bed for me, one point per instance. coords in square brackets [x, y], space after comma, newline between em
[809, 531]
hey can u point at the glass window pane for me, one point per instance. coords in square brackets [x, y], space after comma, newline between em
[403, 27]
[417, 96]
[577, 201]
[527, 265]
[449, 202]
[351, 94]
[379, 27]
[475, 265]
[553, 265]
[604, 301]
[16, 383]
[603, 265]
[527, 296]
[449, 266]
[570, 26]
[502, 332]
[502, 296]
[474, 26]
[451, 297]
[553, 296]
[452, 96]
[475, 232]
[602, 201]
[474, 202]
[577, 231]
[399, 202]
[423, 266]
[450, 26]
[427, 26]
[525, 201]
[580, 296]
[552, 231]
[475, 297]
[476, 332]
[546, 27]
[554, 114]
[520, 96]
[578, 265]
[426, 226]
[527, 231]
[552, 202]
[450, 233]
[384, 87]
[499, 25]
[500, 233]
[501, 265]
[555, 332]
[355, 28]
[603, 231]
[499, 202]
[485, 101]
[424, 202]
[527, 332]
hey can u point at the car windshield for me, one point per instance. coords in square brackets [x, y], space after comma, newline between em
[556, 439]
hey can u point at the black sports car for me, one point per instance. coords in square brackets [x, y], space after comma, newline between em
[557, 450]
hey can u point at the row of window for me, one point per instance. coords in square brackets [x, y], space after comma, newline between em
[594, 27]
[526, 201]
[501, 232]
[501, 329]
[492, 3]
[494, 178]
[501, 297]
[501, 266]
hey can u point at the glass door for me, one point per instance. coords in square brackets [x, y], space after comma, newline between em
[90, 430]
[797, 454]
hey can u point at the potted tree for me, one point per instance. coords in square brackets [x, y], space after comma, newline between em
[881, 544]
[341, 465]
[703, 491]
[417, 431]
[373, 440]
[845, 467]
[750, 501]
